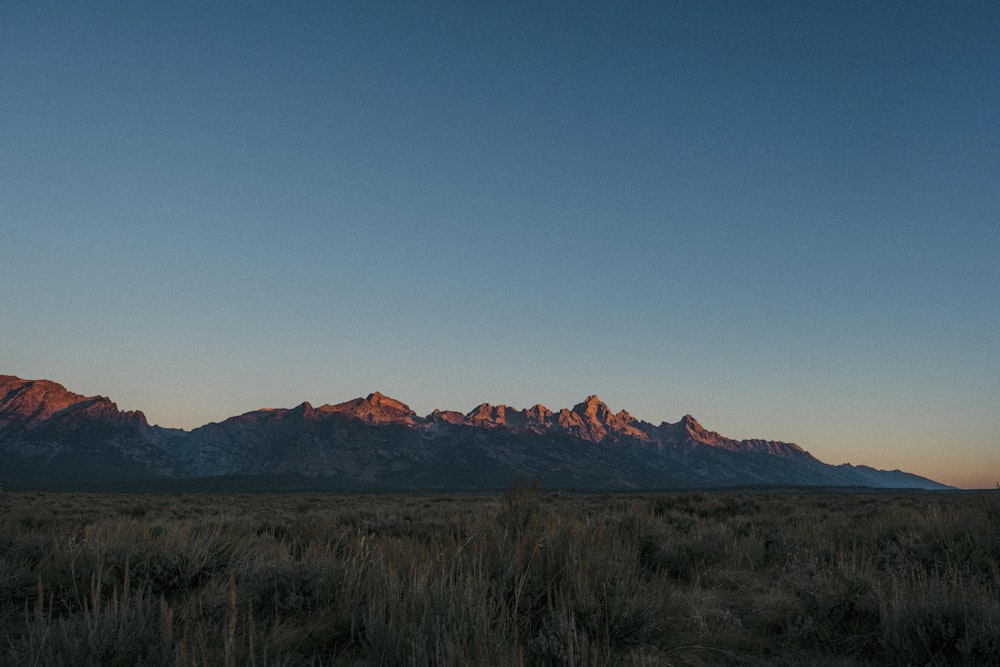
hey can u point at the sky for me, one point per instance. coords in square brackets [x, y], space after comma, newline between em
[780, 217]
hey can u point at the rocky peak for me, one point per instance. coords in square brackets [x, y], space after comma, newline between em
[378, 398]
[593, 420]
[376, 408]
[698, 433]
[446, 416]
[587, 420]
[691, 424]
[538, 413]
[625, 424]
[482, 414]
[30, 402]
[593, 408]
[27, 404]
[537, 418]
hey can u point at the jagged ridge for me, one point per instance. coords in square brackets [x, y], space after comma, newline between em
[379, 442]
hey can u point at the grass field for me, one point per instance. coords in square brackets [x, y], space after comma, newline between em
[519, 578]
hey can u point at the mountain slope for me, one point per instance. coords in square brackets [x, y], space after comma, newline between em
[50, 436]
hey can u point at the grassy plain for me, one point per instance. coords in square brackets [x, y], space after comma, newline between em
[523, 578]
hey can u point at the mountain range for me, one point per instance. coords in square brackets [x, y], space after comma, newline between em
[53, 438]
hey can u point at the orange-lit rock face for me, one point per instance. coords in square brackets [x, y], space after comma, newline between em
[483, 414]
[376, 408]
[29, 403]
[446, 417]
[32, 402]
[590, 420]
[593, 420]
[534, 419]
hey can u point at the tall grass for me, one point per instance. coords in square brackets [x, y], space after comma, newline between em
[525, 578]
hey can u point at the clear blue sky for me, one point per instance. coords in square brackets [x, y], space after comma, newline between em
[781, 217]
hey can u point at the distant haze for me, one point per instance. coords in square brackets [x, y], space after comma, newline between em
[779, 217]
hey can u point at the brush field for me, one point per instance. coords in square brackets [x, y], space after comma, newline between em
[520, 578]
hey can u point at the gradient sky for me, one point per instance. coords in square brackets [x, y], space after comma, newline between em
[780, 217]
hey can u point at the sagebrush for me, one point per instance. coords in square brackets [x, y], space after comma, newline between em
[525, 578]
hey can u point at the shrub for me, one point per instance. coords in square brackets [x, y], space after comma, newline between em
[518, 578]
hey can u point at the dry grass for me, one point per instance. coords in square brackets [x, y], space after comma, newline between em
[522, 579]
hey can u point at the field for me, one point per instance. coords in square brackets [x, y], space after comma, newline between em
[520, 578]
